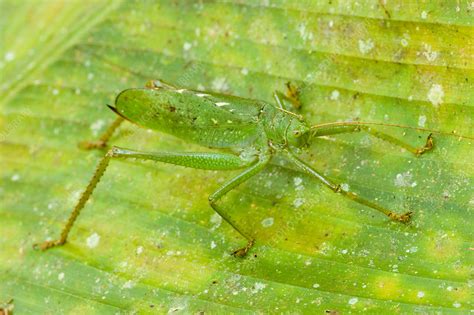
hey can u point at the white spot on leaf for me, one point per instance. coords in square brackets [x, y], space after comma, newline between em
[421, 121]
[93, 240]
[405, 180]
[216, 220]
[128, 285]
[220, 84]
[96, 126]
[267, 222]
[429, 54]
[353, 301]
[258, 286]
[297, 181]
[303, 33]
[366, 46]
[298, 202]
[436, 94]
[9, 56]
[187, 46]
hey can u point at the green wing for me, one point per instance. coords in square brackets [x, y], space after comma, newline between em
[208, 119]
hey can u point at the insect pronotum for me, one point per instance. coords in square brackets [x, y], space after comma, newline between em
[221, 121]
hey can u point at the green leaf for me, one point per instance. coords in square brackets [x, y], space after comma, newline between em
[148, 240]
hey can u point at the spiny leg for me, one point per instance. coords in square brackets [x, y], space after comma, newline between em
[405, 217]
[231, 184]
[82, 201]
[341, 128]
[208, 161]
[104, 138]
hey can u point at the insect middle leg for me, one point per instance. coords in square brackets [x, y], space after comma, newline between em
[290, 100]
[285, 103]
[207, 161]
[231, 184]
[349, 128]
[405, 217]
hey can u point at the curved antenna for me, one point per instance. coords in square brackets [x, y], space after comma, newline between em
[299, 117]
[357, 123]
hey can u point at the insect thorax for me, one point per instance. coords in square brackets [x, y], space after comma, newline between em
[283, 129]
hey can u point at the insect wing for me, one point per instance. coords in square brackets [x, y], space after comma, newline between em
[212, 120]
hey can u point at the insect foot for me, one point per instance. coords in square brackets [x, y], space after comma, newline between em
[427, 147]
[404, 218]
[242, 252]
[7, 308]
[48, 244]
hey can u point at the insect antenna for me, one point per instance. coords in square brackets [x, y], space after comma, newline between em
[300, 117]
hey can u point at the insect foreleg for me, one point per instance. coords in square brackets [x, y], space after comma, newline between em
[337, 189]
[231, 184]
[289, 105]
[341, 128]
[199, 160]
[104, 138]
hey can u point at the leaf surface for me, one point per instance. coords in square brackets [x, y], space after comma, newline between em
[148, 240]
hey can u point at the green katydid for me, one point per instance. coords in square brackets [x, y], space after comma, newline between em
[221, 121]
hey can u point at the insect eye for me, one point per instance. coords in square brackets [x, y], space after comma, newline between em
[297, 133]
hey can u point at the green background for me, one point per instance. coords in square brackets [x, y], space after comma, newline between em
[148, 240]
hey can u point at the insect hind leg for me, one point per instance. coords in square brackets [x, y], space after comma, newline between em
[197, 160]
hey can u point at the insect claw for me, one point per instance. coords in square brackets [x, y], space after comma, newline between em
[242, 252]
[404, 218]
[427, 147]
